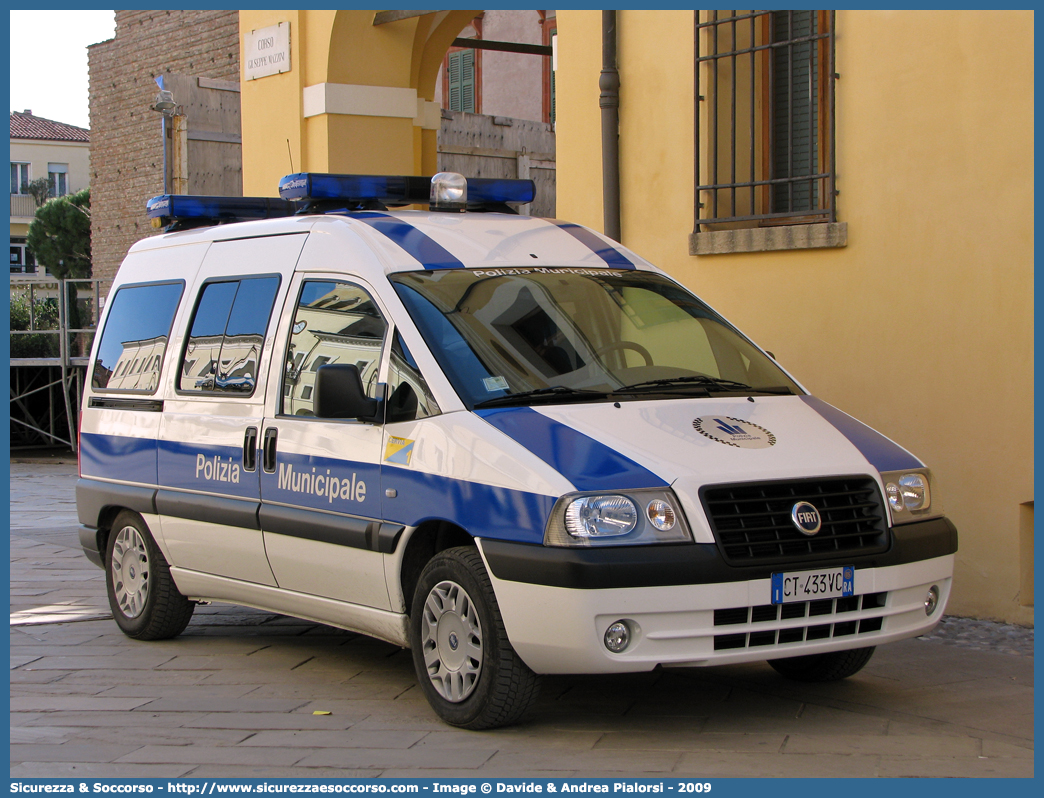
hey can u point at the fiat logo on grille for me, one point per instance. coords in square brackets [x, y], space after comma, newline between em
[806, 518]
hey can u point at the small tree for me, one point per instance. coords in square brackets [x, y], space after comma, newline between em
[60, 238]
[60, 235]
[39, 190]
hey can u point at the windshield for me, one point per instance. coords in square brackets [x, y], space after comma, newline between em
[521, 336]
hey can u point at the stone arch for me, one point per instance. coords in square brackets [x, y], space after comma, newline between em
[358, 98]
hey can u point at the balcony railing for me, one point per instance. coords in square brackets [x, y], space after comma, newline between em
[23, 206]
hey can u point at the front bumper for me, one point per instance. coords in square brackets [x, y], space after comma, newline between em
[557, 603]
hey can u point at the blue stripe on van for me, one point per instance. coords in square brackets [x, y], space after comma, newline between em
[881, 453]
[419, 246]
[118, 457]
[485, 511]
[587, 463]
[610, 254]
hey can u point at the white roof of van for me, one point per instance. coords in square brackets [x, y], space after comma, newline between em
[425, 240]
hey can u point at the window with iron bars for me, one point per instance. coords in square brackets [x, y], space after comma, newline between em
[765, 150]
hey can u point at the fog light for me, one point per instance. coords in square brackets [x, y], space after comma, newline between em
[617, 636]
[931, 601]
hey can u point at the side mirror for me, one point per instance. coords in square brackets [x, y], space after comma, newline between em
[339, 394]
[770, 354]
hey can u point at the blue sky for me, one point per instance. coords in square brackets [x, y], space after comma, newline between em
[49, 61]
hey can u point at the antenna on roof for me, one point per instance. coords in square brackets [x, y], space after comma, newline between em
[291, 155]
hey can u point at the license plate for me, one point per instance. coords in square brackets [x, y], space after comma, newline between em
[810, 585]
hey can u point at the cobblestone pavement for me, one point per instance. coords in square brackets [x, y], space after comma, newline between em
[234, 696]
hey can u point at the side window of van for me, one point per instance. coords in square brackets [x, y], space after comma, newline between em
[335, 322]
[134, 340]
[226, 336]
[408, 395]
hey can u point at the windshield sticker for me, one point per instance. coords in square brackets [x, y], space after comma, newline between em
[495, 384]
[398, 450]
[542, 270]
[734, 432]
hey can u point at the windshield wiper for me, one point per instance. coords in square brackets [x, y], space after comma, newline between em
[707, 383]
[554, 392]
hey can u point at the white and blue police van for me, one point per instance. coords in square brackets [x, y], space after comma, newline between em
[506, 443]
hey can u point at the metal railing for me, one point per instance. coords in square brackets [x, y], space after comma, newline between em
[49, 356]
[23, 206]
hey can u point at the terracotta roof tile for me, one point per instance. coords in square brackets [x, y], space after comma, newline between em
[27, 126]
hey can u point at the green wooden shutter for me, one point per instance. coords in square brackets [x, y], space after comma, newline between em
[795, 111]
[462, 81]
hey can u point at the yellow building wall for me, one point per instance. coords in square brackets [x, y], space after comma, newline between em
[343, 48]
[923, 325]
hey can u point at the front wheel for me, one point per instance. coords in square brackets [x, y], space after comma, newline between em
[465, 664]
[145, 603]
[831, 667]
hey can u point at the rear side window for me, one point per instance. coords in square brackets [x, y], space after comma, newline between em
[134, 340]
[226, 336]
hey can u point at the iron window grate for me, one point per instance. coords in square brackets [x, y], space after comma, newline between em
[764, 117]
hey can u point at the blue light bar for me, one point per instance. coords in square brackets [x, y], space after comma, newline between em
[385, 189]
[482, 190]
[185, 207]
[392, 190]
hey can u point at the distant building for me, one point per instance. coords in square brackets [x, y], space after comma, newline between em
[42, 148]
[516, 85]
[194, 51]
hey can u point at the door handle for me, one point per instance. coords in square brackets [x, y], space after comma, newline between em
[250, 449]
[269, 453]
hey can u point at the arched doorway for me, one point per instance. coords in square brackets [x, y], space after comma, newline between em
[358, 97]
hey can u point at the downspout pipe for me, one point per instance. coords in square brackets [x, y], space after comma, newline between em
[609, 102]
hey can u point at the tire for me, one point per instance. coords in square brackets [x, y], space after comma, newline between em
[145, 603]
[479, 683]
[830, 667]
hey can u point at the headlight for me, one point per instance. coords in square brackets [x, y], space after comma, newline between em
[909, 495]
[616, 519]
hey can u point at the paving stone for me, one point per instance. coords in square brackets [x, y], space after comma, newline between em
[427, 758]
[693, 741]
[118, 663]
[636, 763]
[716, 764]
[155, 735]
[74, 703]
[510, 739]
[952, 768]
[95, 770]
[72, 752]
[220, 705]
[212, 755]
[884, 745]
[994, 749]
[261, 772]
[40, 734]
[121, 719]
[196, 690]
[350, 738]
[256, 721]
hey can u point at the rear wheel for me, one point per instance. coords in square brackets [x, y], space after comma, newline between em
[830, 667]
[466, 667]
[145, 603]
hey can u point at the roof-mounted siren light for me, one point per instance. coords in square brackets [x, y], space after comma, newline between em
[449, 193]
[454, 193]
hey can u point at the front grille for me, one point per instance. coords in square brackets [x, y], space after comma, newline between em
[752, 524]
[827, 618]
